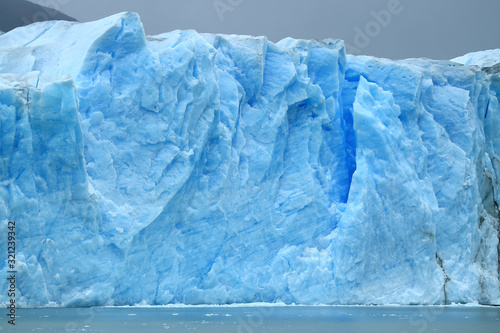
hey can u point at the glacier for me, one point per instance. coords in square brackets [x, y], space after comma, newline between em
[217, 169]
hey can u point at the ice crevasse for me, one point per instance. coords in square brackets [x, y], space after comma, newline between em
[213, 169]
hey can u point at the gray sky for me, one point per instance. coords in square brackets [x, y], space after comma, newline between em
[438, 29]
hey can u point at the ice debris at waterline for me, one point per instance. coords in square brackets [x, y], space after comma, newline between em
[195, 168]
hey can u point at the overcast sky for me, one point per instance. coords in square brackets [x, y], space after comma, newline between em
[438, 29]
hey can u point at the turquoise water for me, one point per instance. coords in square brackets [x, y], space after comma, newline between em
[258, 319]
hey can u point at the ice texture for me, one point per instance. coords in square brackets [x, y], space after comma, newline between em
[213, 169]
[487, 58]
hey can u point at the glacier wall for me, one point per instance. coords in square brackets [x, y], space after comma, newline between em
[200, 169]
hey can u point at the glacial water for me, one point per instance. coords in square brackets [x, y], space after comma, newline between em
[292, 319]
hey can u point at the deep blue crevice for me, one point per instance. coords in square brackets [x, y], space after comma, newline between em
[347, 99]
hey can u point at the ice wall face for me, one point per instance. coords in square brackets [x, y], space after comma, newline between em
[188, 168]
[447, 170]
[45, 185]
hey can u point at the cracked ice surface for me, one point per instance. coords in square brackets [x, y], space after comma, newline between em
[200, 169]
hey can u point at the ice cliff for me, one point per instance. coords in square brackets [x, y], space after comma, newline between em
[196, 168]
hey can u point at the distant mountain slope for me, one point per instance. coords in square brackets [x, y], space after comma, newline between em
[17, 13]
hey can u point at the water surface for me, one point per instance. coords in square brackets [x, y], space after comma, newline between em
[292, 319]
